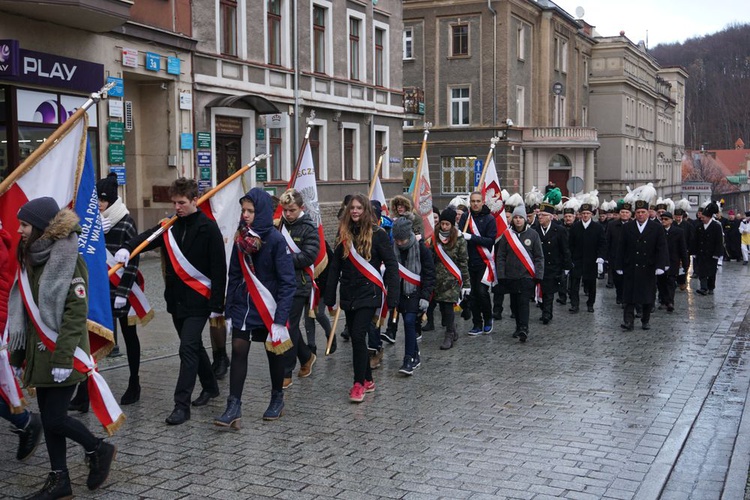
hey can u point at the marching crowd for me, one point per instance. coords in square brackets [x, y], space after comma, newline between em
[381, 270]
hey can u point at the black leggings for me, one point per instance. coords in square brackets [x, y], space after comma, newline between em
[132, 345]
[238, 367]
[53, 408]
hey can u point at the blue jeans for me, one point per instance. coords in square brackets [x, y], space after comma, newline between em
[19, 420]
[410, 333]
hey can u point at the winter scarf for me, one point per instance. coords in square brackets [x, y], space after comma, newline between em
[115, 212]
[413, 262]
[59, 257]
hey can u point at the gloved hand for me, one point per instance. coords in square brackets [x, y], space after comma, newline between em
[600, 261]
[715, 257]
[600, 267]
[120, 302]
[619, 271]
[682, 272]
[106, 224]
[17, 371]
[215, 315]
[659, 272]
[332, 309]
[123, 256]
[467, 236]
[465, 292]
[279, 330]
[60, 375]
[566, 272]
[424, 304]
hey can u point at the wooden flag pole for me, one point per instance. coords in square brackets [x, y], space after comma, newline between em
[493, 143]
[377, 171]
[53, 138]
[331, 337]
[418, 173]
[206, 196]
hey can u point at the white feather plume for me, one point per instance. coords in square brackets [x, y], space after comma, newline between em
[505, 194]
[592, 198]
[684, 204]
[573, 203]
[459, 200]
[647, 193]
[514, 200]
[670, 205]
[533, 197]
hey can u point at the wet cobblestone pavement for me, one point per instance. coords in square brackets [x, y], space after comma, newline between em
[582, 410]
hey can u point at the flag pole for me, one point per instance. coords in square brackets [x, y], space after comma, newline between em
[279, 208]
[206, 196]
[418, 173]
[331, 337]
[493, 143]
[377, 171]
[58, 133]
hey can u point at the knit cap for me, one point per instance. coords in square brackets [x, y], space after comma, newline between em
[449, 214]
[106, 189]
[519, 211]
[401, 229]
[39, 212]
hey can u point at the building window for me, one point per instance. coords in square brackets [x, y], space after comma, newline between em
[379, 57]
[460, 40]
[314, 142]
[408, 43]
[584, 116]
[561, 55]
[457, 174]
[409, 169]
[274, 139]
[348, 154]
[228, 17]
[459, 106]
[408, 123]
[319, 39]
[381, 141]
[521, 43]
[274, 32]
[559, 118]
[520, 106]
[354, 48]
[586, 71]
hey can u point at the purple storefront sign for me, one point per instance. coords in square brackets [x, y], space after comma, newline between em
[39, 68]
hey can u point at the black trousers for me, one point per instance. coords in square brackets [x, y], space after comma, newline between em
[574, 290]
[629, 313]
[617, 278]
[300, 349]
[358, 321]
[667, 286]
[562, 288]
[58, 426]
[521, 292]
[481, 306]
[193, 360]
[448, 315]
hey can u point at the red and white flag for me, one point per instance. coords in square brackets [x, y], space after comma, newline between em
[493, 197]
[379, 195]
[422, 197]
[224, 208]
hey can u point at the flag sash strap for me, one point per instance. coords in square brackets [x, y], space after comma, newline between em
[369, 272]
[409, 276]
[184, 269]
[489, 277]
[309, 270]
[449, 264]
[139, 304]
[103, 403]
[10, 391]
[261, 296]
[525, 258]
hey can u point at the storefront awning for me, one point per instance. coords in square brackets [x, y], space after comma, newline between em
[260, 104]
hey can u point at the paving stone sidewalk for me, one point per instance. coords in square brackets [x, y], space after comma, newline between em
[582, 410]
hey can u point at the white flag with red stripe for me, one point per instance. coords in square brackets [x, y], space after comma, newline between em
[423, 197]
[493, 197]
[379, 195]
[224, 208]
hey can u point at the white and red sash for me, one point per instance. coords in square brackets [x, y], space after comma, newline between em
[10, 390]
[372, 275]
[451, 266]
[184, 269]
[489, 277]
[409, 276]
[265, 304]
[525, 258]
[309, 270]
[140, 309]
[103, 402]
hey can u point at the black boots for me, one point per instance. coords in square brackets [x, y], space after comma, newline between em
[28, 437]
[100, 461]
[220, 366]
[57, 485]
[275, 407]
[132, 393]
[231, 416]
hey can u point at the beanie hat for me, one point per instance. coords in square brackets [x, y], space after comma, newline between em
[401, 229]
[448, 214]
[39, 212]
[377, 207]
[106, 189]
[519, 211]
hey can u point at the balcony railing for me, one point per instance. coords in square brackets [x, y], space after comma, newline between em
[414, 100]
[560, 134]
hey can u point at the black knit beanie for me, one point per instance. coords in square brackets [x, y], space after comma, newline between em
[449, 214]
[401, 229]
[39, 212]
[106, 188]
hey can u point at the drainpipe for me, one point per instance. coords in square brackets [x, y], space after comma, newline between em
[295, 48]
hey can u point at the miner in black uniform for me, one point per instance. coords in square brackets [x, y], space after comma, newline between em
[678, 262]
[708, 247]
[556, 254]
[587, 250]
[682, 221]
[613, 237]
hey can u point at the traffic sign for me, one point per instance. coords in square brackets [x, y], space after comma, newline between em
[478, 167]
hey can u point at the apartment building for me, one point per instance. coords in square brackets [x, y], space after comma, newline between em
[517, 70]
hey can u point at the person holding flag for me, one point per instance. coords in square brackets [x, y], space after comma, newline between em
[260, 295]
[301, 235]
[520, 262]
[480, 236]
[53, 340]
[451, 272]
[194, 284]
[361, 248]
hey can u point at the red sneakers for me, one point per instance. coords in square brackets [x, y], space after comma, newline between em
[357, 394]
[369, 386]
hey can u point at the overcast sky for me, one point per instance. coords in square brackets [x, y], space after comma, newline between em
[665, 21]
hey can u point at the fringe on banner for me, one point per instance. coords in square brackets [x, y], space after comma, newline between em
[115, 426]
[219, 322]
[135, 320]
[280, 348]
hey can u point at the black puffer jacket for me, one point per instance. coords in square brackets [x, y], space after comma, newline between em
[356, 290]
[304, 233]
[487, 226]
[202, 244]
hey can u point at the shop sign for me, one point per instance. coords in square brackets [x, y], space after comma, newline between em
[130, 58]
[50, 70]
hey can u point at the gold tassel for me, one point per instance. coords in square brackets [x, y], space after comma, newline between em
[311, 313]
[17, 410]
[115, 426]
[279, 349]
[219, 322]
[135, 320]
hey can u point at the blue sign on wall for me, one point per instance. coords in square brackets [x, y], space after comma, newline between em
[173, 65]
[120, 171]
[186, 141]
[478, 165]
[153, 61]
[119, 89]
